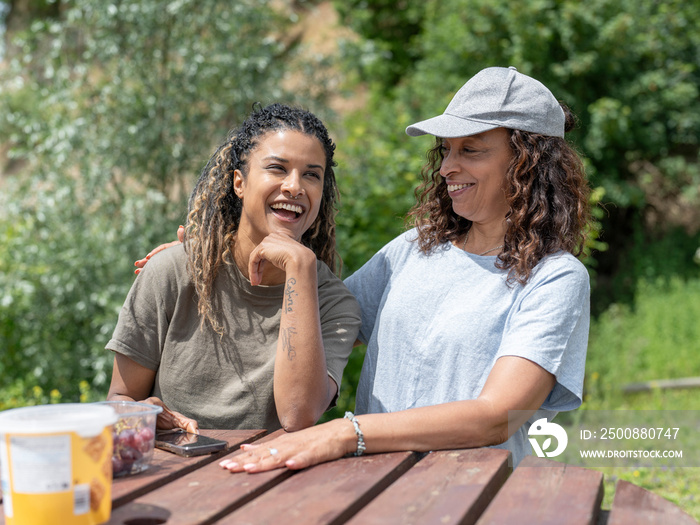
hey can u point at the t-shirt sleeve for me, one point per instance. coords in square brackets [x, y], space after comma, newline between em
[145, 316]
[340, 321]
[550, 326]
[368, 284]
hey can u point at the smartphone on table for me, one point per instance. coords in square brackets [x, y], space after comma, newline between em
[187, 444]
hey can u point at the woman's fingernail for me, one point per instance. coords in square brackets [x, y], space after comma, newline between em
[249, 466]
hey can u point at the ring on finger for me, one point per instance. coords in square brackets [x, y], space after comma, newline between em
[273, 451]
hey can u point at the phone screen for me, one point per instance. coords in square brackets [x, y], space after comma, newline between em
[187, 444]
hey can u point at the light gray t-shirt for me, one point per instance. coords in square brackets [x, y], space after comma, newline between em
[435, 325]
[222, 382]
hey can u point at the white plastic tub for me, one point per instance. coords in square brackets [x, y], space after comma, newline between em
[56, 464]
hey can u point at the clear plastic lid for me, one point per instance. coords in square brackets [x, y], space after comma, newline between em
[85, 419]
[132, 408]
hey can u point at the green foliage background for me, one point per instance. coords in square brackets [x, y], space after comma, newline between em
[111, 109]
[628, 69]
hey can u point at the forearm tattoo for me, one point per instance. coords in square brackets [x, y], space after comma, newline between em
[289, 294]
[287, 342]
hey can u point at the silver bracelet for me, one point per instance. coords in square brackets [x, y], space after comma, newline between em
[360, 437]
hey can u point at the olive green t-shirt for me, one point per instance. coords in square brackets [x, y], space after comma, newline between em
[222, 382]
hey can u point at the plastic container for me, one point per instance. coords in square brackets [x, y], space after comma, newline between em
[55, 464]
[133, 436]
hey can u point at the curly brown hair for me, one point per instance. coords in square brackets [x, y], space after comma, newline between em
[547, 194]
[214, 210]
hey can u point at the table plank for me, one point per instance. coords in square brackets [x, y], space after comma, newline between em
[329, 493]
[635, 505]
[201, 496]
[166, 466]
[541, 491]
[446, 487]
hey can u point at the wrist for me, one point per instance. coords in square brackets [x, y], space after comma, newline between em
[302, 261]
[345, 437]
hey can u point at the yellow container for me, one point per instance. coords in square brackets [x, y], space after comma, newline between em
[56, 464]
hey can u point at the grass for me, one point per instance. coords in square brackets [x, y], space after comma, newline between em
[657, 338]
[680, 485]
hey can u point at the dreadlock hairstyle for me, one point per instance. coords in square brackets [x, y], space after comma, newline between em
[547, 195]
[214, 210]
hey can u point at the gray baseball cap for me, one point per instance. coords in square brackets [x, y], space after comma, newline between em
[496, 97]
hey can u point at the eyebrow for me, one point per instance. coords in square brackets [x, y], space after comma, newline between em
[283, 160]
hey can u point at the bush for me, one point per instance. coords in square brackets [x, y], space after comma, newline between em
[65, 271]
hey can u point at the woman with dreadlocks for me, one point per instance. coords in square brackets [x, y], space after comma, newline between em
[245, 325]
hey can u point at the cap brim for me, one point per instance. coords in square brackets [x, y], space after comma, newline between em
[448, 126]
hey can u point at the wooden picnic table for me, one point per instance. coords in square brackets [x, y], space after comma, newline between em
[445, 487]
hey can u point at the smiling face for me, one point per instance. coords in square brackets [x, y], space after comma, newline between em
[283, 187]
[475, 169]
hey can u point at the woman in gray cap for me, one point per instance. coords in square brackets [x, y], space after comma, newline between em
[476, 320]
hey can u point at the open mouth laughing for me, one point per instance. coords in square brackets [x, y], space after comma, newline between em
[287, 211]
